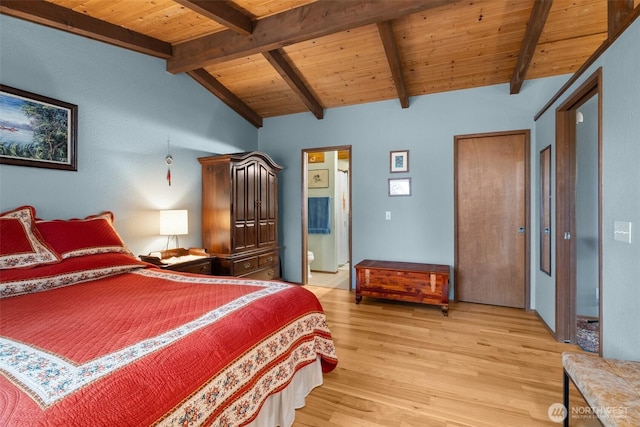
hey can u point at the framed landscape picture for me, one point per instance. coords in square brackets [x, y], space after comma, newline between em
[37, 131]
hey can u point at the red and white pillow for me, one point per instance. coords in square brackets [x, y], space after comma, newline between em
[94, 234]
[21, 244]
[27, 242]
[38, 255]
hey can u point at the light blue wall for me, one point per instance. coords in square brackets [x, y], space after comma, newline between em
[421, 228]
[543, 291]
[621, 195]
[128, 106]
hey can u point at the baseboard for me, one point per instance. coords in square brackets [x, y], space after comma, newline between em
[551, 331]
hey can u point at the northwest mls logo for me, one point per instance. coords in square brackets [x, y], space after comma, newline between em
[557, 412]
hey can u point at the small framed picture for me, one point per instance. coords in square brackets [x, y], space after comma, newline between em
[399, 186]
[318, 178]
[400, 161]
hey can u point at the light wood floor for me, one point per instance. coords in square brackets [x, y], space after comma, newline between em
[405, 365]
[339, 279]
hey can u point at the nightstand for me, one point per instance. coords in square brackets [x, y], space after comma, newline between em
[171, 260]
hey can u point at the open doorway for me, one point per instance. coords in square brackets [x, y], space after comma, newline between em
[579, 217]
[326, 217]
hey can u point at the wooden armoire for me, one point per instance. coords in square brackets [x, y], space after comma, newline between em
[240, 214]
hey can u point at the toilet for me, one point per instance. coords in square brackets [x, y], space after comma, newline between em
[310, 259]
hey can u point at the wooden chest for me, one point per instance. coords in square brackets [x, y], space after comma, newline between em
[404, 281]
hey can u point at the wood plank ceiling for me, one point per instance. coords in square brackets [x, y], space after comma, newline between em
[267, 58]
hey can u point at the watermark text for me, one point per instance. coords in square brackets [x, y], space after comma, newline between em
[557, 412]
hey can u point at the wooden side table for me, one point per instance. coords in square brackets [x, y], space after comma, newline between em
[404, 281]
[201, 265]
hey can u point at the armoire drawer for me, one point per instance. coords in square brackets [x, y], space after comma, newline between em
[270, 273]
[270, 258]
[245, 266]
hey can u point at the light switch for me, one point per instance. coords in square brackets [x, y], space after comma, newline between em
[387, 215]
[622, 231]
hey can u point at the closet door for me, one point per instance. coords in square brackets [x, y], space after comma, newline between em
[492, 218]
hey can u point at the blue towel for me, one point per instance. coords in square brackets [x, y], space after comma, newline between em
[319, 215]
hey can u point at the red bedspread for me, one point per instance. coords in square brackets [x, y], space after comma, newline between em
[153, 347]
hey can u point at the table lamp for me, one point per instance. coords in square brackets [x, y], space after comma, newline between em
[173, 223]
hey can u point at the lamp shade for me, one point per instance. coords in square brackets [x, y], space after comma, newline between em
[174, 222]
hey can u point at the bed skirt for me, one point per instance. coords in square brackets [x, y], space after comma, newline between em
[279, 409]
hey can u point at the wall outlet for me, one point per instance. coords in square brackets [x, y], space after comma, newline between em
[387, 215]
[622, 231]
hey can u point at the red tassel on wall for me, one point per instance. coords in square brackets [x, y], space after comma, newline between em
[168, 161]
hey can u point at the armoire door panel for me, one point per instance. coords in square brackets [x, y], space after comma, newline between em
[267, 207]
[244, 207]
[252, 191]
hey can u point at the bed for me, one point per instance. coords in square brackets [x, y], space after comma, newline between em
[90, 335]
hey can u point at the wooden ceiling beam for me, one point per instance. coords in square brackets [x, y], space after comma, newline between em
[307, 22]
[630, 19]
[215, 87]
[223, 13]
[537, 20]
[288, 74]
[617, 12]
[393, 57]
[64, 19]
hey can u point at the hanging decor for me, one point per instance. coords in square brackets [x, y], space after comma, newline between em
[168, 160]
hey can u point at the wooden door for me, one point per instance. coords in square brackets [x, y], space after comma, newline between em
[491, 215]
[244, 201]
[267, 206]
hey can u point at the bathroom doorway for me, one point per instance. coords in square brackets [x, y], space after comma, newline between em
[326, 217]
